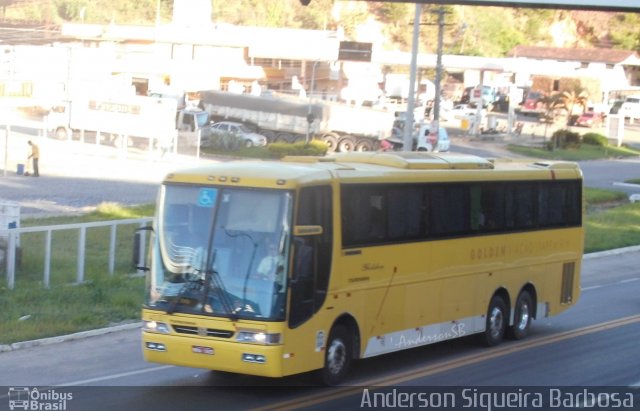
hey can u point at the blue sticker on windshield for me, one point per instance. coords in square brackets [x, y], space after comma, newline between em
[207, 197]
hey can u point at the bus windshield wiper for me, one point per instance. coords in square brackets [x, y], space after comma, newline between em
[190, 283]
[212, 280]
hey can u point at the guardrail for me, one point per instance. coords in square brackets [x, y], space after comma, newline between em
[12, 237]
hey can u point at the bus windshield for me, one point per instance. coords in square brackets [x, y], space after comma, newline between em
[221, 252]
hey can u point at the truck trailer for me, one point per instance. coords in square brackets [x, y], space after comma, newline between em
[288, 119]
[155, 122]
[149, 119]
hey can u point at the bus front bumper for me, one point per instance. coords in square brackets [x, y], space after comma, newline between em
[228, 356]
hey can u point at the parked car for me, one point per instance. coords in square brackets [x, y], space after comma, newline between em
[238, 132]
[462, 111]
[589, 119]
[631, 107]
[425, 141]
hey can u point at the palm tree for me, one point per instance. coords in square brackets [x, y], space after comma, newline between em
[551, 104]
[578, 96]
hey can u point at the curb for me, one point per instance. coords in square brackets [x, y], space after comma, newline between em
[138, 324]
[608, 253]
[69, 337]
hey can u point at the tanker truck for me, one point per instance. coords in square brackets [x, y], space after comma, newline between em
[285, 118]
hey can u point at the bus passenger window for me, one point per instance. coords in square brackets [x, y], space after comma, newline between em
[376, 219]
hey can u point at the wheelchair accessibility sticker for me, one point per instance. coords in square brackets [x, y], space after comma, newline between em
[207, 197]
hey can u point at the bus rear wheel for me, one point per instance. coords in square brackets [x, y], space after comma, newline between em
[522, 316]
[496, 322]
[338, 356]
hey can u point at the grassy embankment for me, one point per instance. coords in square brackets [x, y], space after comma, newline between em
[30, 311]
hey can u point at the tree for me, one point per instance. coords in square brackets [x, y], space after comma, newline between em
[578, 96]
[552, 104]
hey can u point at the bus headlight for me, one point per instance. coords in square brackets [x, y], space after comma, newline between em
[155, 327]
[253, 337]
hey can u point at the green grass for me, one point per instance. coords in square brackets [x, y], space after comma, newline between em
[104, 212]
[272, 150]
[35, 312]
[585, 152]
[31, 311]
[598, 196]
[613, 228]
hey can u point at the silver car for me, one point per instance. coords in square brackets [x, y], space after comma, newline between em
[238, 131]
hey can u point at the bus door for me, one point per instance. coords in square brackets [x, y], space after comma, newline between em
[310, 270]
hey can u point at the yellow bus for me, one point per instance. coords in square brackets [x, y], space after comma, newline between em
[273, 268]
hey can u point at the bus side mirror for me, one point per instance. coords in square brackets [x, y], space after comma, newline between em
[139, 243]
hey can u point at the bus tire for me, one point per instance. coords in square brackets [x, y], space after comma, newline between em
[496, 325]
[338, 356]
[522, 315]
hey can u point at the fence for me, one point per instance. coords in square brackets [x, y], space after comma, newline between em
[14, 255]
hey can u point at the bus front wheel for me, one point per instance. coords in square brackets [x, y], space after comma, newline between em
[496, 322]
[338, 356]
[522, 316]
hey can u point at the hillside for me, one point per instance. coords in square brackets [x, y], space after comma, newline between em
[482, 31]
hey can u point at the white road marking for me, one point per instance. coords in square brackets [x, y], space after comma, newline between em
[114, 376]
[593, 287]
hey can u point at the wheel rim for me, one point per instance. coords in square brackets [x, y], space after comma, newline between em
[345, 147]
[331, 143]
[336, 357]
[496, 322]
[524, 316]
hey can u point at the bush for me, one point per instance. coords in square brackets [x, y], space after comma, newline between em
[224, 141]
[595, 139]
[314, 148]
[564, 139]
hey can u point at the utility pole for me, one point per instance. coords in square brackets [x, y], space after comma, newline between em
[408, 128]
[408, 124]
[310, 117]
[436, 103]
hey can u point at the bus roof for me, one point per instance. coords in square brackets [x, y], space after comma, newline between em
[367, 166]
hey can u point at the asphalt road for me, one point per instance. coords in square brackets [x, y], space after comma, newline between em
[593, 344]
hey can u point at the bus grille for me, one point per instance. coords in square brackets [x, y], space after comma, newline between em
[566, 293]
[203, 332]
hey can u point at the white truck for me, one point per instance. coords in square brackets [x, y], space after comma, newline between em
[290, 119]
[152, 121]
